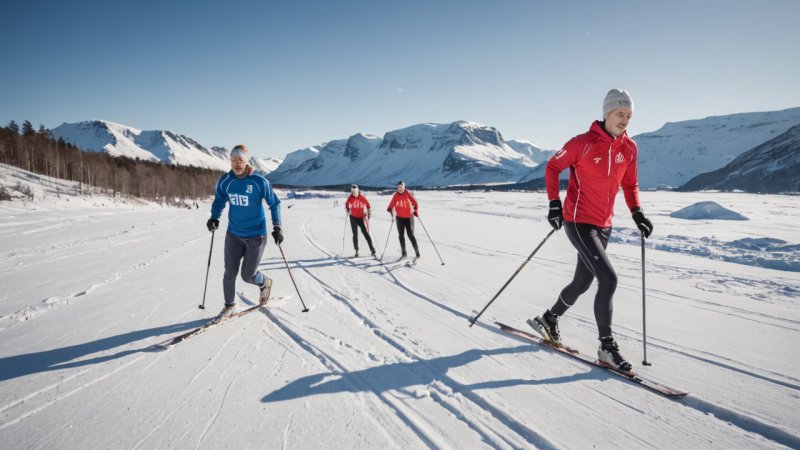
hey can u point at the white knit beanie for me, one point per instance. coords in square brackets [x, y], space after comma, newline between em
[616, 98]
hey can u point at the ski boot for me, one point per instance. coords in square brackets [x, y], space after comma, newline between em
[547, 326]
[266, 288]
[609, 356]
[227, 311]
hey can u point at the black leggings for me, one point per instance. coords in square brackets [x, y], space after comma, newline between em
[591, 242]
[408, 226]
[355, 224]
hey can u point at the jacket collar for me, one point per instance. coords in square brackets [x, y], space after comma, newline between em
[598, 129]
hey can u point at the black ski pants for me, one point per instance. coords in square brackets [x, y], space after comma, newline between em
[355, 224]
[591, 242]
[406, 225]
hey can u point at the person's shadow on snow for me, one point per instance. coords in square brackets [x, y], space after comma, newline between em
[64, 358]
[418, 373]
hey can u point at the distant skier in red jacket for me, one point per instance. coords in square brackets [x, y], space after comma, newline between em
[359, 210]
[600, 161]
[407, 207]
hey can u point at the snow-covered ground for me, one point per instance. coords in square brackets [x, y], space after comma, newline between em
[385, 357]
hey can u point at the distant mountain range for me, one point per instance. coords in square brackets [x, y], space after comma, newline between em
[754, 149]
[772, 167]
[156, 145]
[672, 155]
[427, 154]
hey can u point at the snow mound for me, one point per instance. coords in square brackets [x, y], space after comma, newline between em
[707, 211]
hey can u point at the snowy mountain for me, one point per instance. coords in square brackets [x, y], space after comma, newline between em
[155, 145]
[535, 153]
[771, 167]
[672, 155]
[426, 154]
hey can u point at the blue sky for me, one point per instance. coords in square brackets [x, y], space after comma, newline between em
[279, 76]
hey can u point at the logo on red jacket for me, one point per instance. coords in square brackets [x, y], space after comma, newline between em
[597, 160]
[620, 158]
[561, 153]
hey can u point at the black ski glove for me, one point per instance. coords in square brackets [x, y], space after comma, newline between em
[642, 222]
[212, 224]
[277, 235]
[556, 214]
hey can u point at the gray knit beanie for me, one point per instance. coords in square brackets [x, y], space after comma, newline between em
[616, 98]
[241, 152]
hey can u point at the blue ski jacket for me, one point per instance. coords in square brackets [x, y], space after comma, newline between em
[246, 216]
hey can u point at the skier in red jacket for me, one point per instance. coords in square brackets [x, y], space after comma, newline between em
[360, 211]
[600, 161]
[407, 207]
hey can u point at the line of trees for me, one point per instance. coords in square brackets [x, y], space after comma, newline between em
[37, 151]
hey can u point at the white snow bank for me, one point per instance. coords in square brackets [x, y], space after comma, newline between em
[707, 211]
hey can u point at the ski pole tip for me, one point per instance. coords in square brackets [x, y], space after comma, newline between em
[305, 310]
[201, 306]
[645, 363]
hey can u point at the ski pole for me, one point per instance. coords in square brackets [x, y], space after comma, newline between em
[429, 238]
[305, 309]
[203, 305]
[344, 231]
[387, 239]
[644, 316]
[474, 319]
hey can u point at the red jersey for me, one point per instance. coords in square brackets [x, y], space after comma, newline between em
[405, 204]
[357, 206]
[598, 166]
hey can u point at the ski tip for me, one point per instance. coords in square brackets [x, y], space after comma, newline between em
[158, 348]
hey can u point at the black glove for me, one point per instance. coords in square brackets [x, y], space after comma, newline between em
[277, 235]
[642, 222]
[369, 213]
[556, 214]
[212, 224]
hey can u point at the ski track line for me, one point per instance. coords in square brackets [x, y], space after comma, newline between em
[720, 278]
[529, 435]
[164, 420]
[427, 437]
[210, 425]
[746, 423]
[711, 358]
[718, 308]
[181, 405]
[68, 394]
[396, 281]
[54, 303]
[78, 247]
[33, 394]
[419, 295]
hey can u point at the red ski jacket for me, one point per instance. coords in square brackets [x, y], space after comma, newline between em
[405, 204]
[357, 206]
[598, 166]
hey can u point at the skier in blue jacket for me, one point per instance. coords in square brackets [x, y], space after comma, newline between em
[246, 236]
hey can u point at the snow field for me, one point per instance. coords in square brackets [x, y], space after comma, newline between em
[385, 357]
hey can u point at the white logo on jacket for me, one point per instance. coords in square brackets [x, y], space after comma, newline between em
[249, 188]
[620, 158]
[597, 160]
